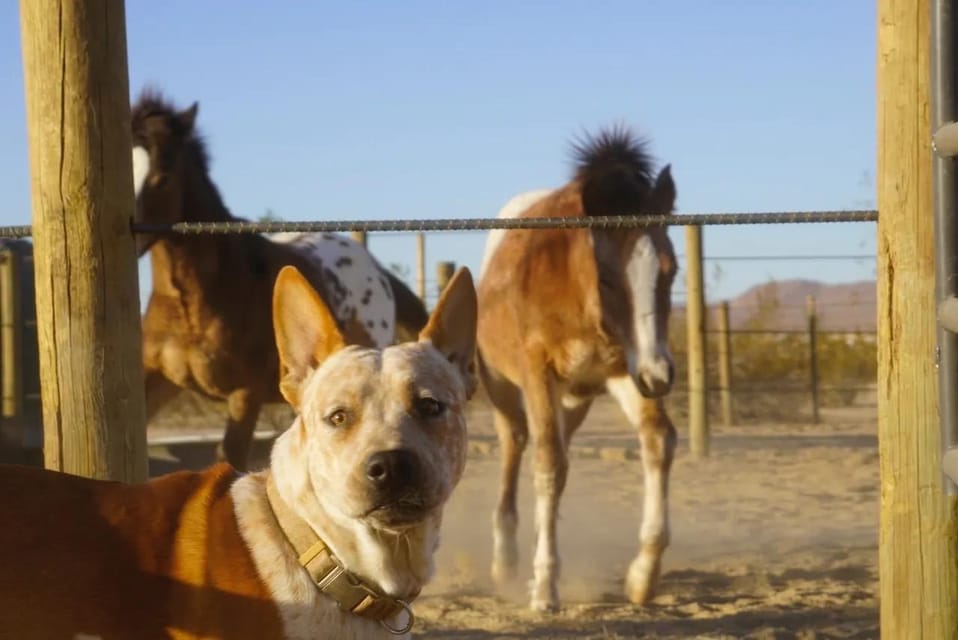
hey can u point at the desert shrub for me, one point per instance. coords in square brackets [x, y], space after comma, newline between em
[770, 370]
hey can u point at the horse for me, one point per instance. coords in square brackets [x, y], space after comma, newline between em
[566, 315]
[207, 326]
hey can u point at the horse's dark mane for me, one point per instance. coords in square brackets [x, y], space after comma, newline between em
[616, 145]
[152, 102]
[615, 170]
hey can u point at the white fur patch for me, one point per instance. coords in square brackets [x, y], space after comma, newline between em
[304, 611]
[642, 272]
[141, 169]
[512, 209]
[356, 283]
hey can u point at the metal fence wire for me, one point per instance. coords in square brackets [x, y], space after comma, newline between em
[480, 224]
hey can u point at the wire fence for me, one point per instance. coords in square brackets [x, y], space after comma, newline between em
[485, 224]
[752, 343]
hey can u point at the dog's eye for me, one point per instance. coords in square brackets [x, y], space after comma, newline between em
[429, 407]
[337, 418]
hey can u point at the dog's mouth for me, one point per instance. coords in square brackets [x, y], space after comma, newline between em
[401, 513]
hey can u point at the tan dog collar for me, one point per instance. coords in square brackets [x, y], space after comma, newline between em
[329, 576]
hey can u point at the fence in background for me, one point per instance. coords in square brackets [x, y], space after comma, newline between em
[748, 349]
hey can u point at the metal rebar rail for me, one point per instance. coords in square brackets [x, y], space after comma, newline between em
[945, 185]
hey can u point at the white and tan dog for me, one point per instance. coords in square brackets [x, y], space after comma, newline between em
[334, 540]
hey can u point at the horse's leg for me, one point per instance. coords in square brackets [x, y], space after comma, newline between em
[159, 391]
[513, 432]
[574, 411]
[657, 438]
[243, 407]
[550, 472]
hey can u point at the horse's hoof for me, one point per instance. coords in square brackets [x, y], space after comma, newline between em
[640, 595]
[545, 598]
[543, 606]
[503, 573]
[641, 580]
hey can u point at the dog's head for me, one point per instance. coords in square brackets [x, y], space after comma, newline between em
[382, 432]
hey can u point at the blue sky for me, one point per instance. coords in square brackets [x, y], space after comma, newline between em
[431, 109]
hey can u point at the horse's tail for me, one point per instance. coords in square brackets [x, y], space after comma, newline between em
[616, 175]
[411, 314]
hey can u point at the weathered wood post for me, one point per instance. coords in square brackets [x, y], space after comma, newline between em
[10, 370]
[695, 325]
[421, 265]
[359, 236]
[444, 273]
[812, 318]
[88, 312]
[725, 363]
[918, 541]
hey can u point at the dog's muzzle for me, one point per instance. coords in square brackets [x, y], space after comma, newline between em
[397, 482]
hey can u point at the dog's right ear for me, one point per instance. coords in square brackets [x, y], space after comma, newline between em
[306, 331]
[452, 326]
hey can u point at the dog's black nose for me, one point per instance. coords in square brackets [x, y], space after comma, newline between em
[392, 469]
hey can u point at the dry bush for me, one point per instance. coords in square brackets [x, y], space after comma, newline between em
[771, 371]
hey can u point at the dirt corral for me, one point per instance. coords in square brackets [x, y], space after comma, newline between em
[774, 536]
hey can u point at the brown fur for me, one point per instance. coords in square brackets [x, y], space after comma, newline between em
[207, 326]
[556, 326]
[122, 561]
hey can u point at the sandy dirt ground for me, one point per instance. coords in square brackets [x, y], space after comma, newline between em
[774, 536]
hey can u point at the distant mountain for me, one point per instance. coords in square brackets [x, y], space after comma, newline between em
[781, 305]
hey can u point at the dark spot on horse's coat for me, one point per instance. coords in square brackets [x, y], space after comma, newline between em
[344, 261]
[327, 236]
[384, 324]
[343, 243]
[386, 287]
[370, 324]
[369, 278]
[367, 295]
[339, 292]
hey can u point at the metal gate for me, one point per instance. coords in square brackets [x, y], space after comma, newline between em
[21, 429]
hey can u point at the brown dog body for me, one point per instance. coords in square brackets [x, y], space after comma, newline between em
[333, 540]
[159, 560]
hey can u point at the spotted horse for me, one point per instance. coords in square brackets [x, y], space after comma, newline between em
[207, 326]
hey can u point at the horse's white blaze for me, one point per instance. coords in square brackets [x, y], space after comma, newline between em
[512, 209]
[642, 272]
[141, 168]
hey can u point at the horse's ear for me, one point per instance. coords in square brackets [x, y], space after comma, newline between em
[306, 331]
[187, 117]
[663, 193]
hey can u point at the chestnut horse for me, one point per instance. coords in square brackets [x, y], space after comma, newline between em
[207, 325]
[568, 314]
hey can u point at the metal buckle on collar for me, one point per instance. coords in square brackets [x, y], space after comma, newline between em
[340, 573]
[410, 621]
[410, 617]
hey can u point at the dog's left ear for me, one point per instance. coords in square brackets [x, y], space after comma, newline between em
[306, 331]
[452, 326]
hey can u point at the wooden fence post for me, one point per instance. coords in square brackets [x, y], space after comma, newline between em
[725, 363]
[695, 325]
[444, 273]
[421, 265]
[918, 540]
[812, 356]
[10, 367]
[88, 311]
